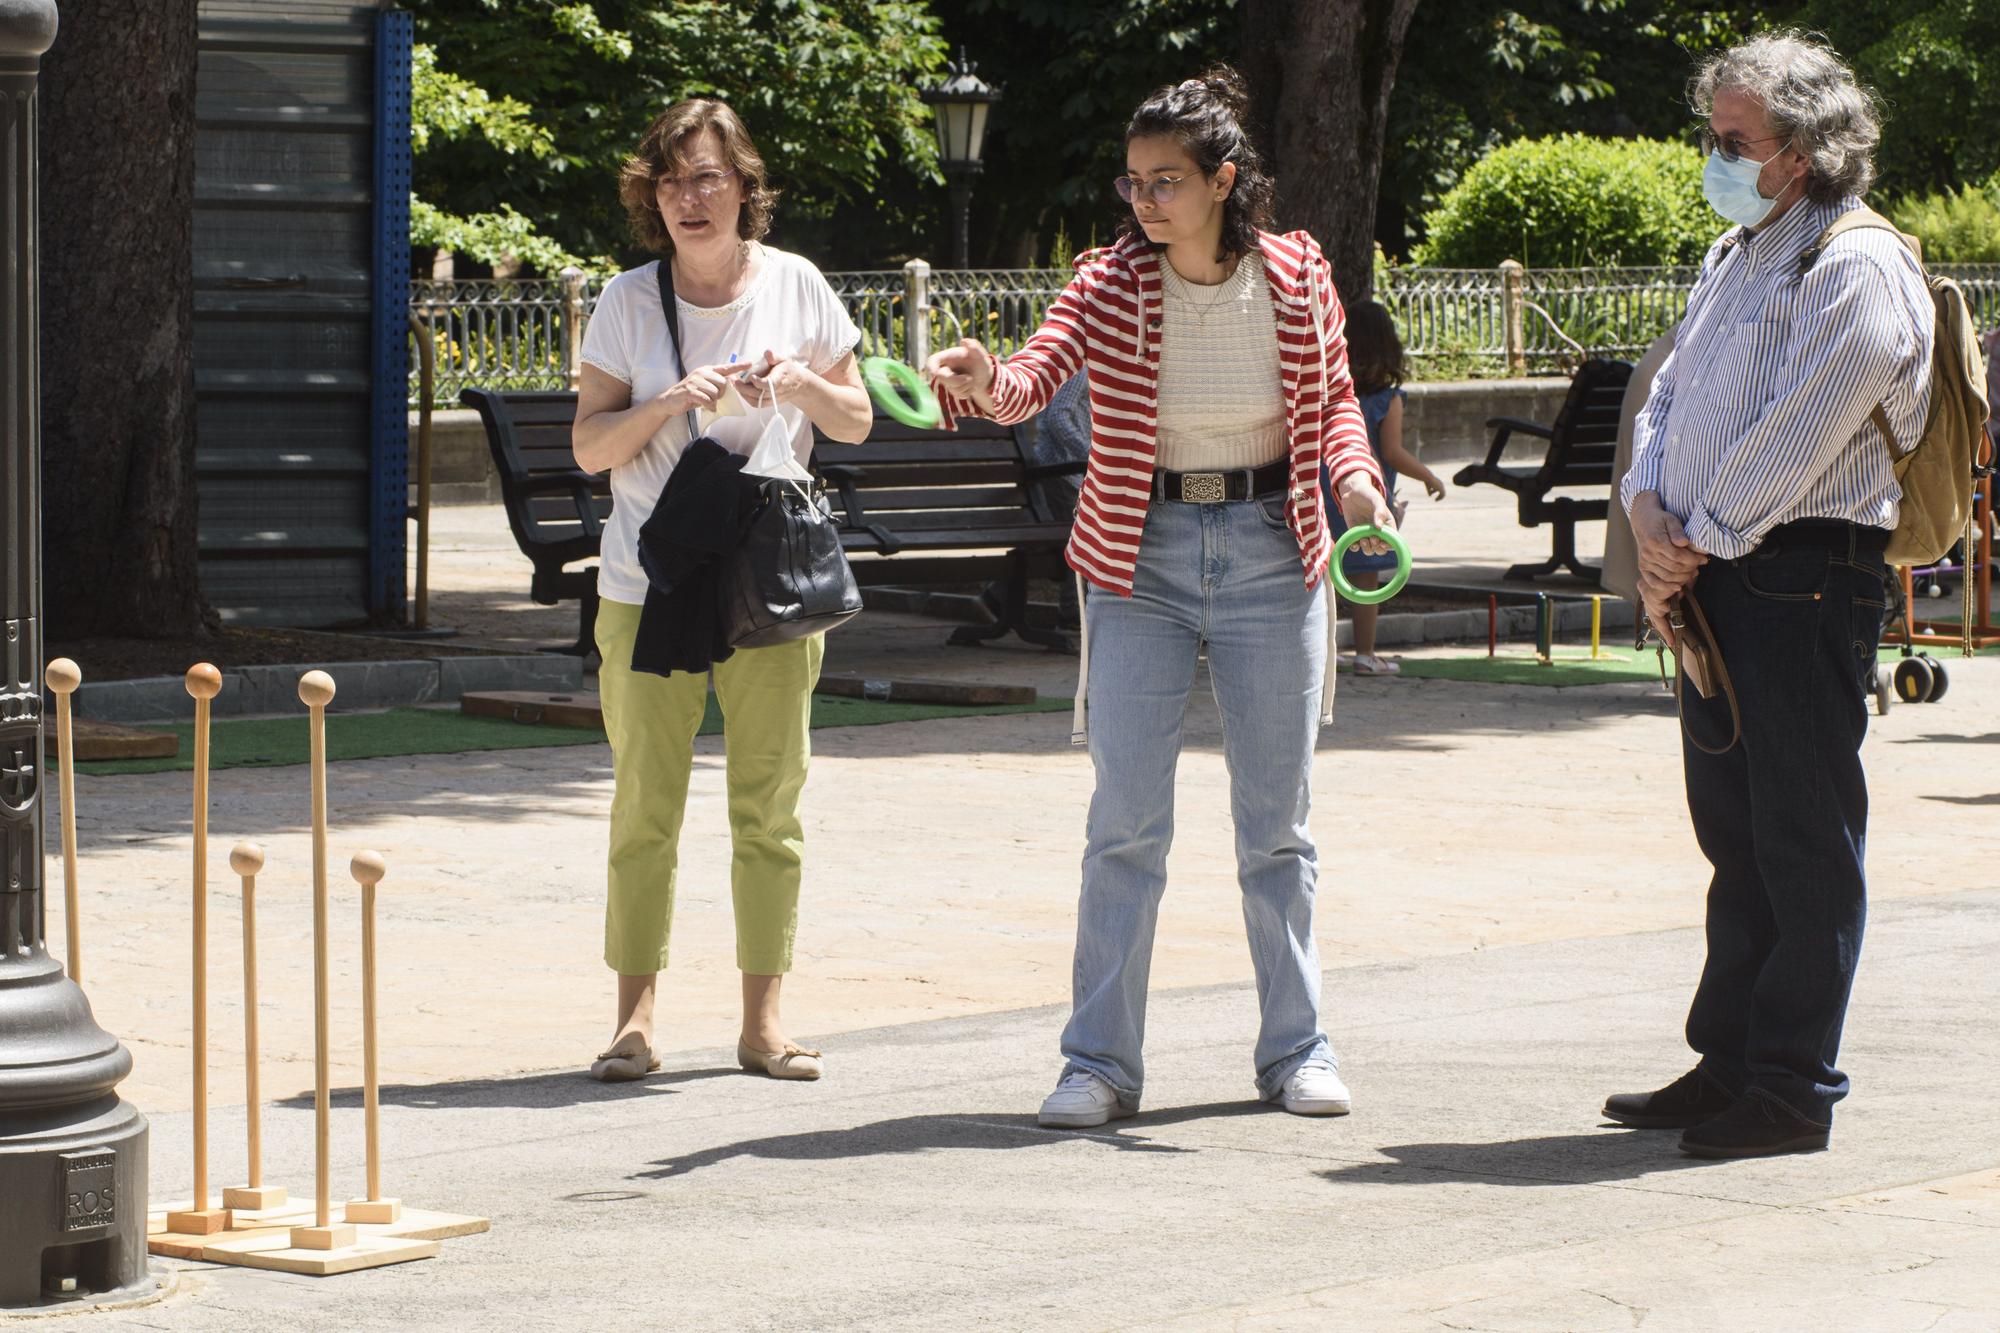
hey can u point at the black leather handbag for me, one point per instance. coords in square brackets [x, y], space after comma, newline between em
[788, 579]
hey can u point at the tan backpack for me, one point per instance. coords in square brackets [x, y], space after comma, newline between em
[1937, 476]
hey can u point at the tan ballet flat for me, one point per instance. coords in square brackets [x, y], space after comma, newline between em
[792, 1062]
[616, 1066]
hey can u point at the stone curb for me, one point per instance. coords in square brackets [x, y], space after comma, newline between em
[1393, 629]
[267, 690]
[1514, 622]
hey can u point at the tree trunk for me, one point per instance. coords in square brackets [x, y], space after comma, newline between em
[1321, 73]
[118, 406]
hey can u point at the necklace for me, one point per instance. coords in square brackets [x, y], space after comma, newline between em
[1183, 291]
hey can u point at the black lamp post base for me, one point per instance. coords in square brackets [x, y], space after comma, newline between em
[74, 1230]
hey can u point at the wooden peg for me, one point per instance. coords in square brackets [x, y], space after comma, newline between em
[247, 859]
[316, 691]
[62, 678]
[203, 682]
[368, 868]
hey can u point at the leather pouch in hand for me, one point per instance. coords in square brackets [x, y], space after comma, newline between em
[1698, 659]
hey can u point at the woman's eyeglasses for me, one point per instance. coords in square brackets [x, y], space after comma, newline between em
[1160, 187]
[705, 183]
[1729, 145]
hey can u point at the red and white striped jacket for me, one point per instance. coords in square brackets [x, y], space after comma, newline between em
[1108, 320]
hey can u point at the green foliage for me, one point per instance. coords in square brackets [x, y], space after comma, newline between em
[1574, 200]
[533, 105]
[447, 109]
[1474, 77]
[1936, 64]
[1956, 226]
[1071, 72]
[493, 238]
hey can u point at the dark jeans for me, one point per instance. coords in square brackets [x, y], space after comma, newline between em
[1783, 815]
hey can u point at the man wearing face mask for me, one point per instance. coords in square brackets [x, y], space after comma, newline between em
[1761, 488]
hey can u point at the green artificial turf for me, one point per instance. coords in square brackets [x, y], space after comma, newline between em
[1516, 665]
[279, 742]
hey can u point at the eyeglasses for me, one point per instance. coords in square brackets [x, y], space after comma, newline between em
[1729, 145]
[705, 183]
[1160, 187]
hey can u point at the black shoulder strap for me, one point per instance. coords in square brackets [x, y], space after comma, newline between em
[672, 309]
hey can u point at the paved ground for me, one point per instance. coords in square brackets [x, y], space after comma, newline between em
[1473, 1188]
[1509, 926]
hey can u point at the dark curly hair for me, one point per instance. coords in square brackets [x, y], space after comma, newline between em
[1374, 349]
[661, 151]
[1205, 116]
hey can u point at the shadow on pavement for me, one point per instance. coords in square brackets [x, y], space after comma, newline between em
[926, 1133]
[1612, 1153]
[535, 1092]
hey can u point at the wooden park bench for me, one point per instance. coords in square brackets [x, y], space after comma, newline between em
[916, 506]
[1583, 442]
[556, 509]
[963, 506]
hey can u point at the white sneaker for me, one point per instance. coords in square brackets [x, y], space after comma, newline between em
[1315, 1089]
[1082, 1100]
[1370, 665]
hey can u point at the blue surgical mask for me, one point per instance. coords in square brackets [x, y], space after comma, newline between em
[1731, 189]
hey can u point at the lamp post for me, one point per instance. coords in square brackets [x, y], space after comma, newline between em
[961, 103]
[72, 1153]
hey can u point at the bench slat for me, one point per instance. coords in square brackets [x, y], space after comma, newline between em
[927, 451]
[946, 519]
[1047, 535]
[949, 498]
[907, 476]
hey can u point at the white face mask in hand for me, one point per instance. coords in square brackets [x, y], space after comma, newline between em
[773, 456]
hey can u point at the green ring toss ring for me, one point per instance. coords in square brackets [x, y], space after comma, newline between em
[1370, 596]
[901, 392]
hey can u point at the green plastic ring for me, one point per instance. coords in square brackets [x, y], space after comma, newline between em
[901, 392]
[1370, 596]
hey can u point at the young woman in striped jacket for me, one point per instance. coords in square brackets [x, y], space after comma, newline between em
[1218, 384]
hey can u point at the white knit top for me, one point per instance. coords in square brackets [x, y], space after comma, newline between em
[1221, 403]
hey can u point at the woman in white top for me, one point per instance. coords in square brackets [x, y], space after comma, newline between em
[760, 332]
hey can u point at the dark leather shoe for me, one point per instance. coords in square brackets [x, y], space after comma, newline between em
[1758, 1125]
[1688, 1100]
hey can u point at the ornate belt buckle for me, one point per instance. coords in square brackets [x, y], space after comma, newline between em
[1203, 488]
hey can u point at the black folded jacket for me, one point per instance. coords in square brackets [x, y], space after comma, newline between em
[698, 521]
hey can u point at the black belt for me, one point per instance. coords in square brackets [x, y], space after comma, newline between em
[1831, 534]
[1207, 488]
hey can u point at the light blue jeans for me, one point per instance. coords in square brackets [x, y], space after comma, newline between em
[1227, 575]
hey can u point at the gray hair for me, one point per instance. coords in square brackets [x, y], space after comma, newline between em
[1810, 95]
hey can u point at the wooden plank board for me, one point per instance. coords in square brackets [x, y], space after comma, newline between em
[186, 1245]
[109, 740]
[274, 1250]
[425, 1224]
[294, 1211]
[924, 691]
[581, 708]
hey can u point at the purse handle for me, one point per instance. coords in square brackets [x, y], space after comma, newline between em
[1691, 608]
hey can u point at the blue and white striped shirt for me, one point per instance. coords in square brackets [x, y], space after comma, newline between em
[1761, 415]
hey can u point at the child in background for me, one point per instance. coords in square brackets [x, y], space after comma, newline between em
[1375, 353]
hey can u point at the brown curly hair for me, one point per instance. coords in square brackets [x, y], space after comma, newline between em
[662, 149]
